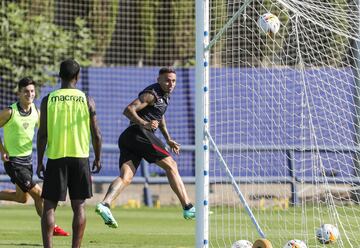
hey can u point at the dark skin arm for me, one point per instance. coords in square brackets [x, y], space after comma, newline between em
[138, 104]
[96, 138]
[42, 138]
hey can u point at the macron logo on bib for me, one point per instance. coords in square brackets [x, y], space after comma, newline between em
[63, 98]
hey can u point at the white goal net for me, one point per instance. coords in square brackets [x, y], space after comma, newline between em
[284, 114]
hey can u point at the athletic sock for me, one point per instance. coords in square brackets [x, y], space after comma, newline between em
[105, 204]
[188, 206]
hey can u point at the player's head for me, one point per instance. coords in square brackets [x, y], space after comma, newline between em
[26, 90]
[69, 70]
[167, 79]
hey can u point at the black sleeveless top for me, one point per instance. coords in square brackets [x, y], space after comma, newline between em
[158, 109]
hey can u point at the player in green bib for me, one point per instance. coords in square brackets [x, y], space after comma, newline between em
[18, 122]
[67, 122]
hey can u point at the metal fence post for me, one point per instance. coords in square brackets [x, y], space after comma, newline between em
[147, 192]
[291, 168]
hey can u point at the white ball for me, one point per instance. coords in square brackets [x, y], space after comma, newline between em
[295, 243]
[327, 233]
[242, 244]
[269, 23]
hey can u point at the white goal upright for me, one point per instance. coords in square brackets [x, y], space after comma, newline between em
[277, 121]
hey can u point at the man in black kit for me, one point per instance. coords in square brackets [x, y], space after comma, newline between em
[146, 114]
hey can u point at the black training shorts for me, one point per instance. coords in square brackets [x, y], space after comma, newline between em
[64, 173]
[20, 172]
[136, 143]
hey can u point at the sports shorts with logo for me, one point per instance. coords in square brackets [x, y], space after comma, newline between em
[136, 143]
[20, 172]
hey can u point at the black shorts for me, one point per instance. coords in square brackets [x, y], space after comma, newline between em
[20, 172]
[136, 143]
[63, 173]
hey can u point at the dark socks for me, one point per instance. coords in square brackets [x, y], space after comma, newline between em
[188, 206]
[106, 205]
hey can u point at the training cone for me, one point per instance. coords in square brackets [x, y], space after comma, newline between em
[262, 243]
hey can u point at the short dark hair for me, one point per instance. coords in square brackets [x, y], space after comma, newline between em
[166, 70]
[69, 69]
[25, 82]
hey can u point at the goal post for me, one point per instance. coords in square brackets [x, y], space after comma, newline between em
[277, 121]
[202, 122]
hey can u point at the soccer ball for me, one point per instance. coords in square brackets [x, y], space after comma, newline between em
[327, 233]
[269, 23]
[295, 243]
[242, 244]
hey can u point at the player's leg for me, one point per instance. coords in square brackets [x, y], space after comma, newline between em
[80, 189]
[154, 151]
[48, 222]
[79, 222]
[21, 176]
[35, 193]
[14, 195]
[177, 185]
[175, 181]
[127, 172]
[128, 163]
[54, 190]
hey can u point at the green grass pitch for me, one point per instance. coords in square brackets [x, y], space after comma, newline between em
[165, 227]
[144, 227]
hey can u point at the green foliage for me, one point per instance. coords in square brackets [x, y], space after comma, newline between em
[184, 31]
[39, 7]
[31, 46]
[273, 46]
[177, 37]
[219, 19]
[102, 20]
[147, 26]
[339, 41]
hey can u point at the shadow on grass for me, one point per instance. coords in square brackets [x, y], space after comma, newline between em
[19, 245]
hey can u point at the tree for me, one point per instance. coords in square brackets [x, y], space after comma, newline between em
[102, 19]
[31, 46]
[39, 7]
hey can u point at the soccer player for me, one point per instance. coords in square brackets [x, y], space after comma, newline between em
[19, 121]
[146, 115]
[67, 121]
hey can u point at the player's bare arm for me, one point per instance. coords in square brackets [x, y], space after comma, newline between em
[138, 104]
[42, 138]
[96, 137]
[38, 111]
[4, 118]
[175, 147]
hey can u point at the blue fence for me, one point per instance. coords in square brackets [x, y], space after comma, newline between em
[262, 107]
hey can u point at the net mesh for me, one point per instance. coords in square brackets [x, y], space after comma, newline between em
[284, 113]
[284, 108]
[121, 47]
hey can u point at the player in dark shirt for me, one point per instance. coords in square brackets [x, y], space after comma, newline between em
[138, 141]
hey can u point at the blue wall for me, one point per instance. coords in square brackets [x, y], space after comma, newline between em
[262, 107]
